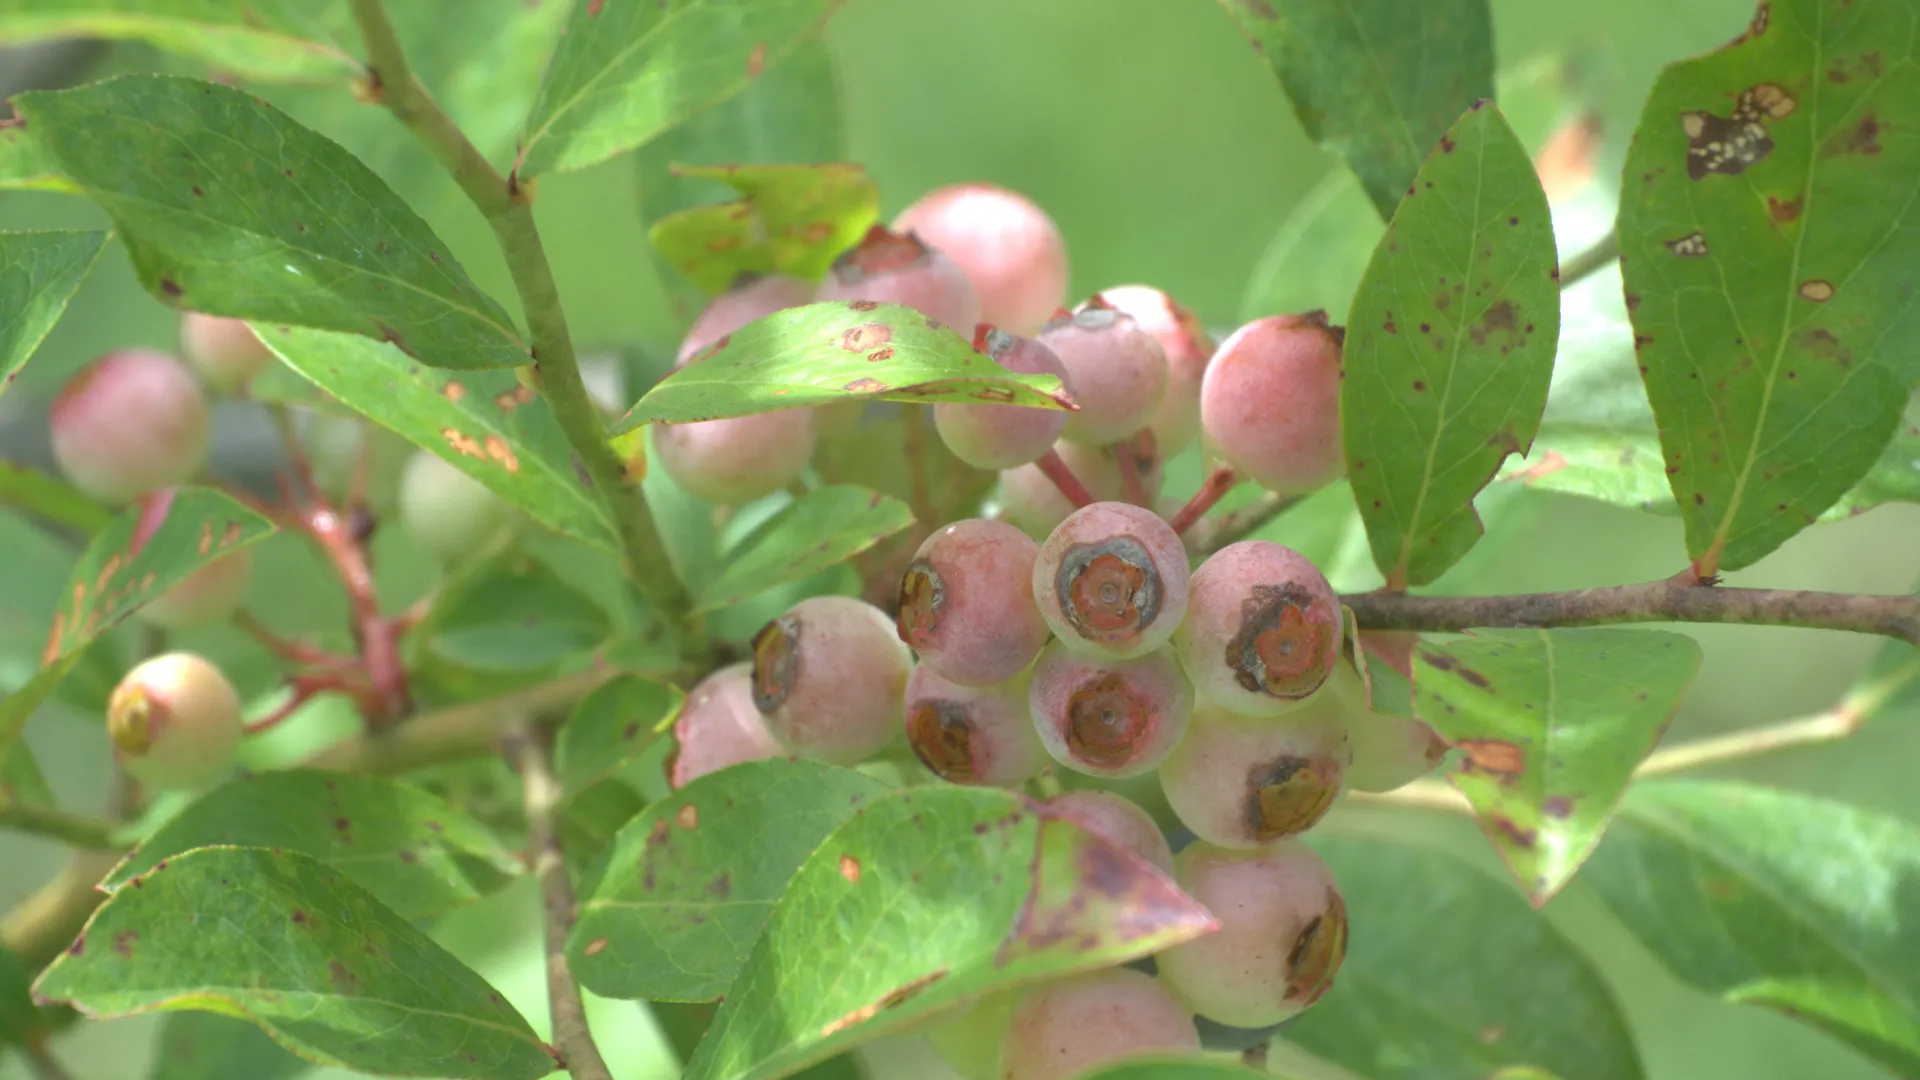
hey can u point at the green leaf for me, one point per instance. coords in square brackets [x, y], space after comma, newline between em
[24, 165]
[1172, 1068]
[1449, 347]
[297, 948]
[691, 880]
[19, 1019]
[514, 613]
[628, 71]
[39, 273]
[21, 781]
[484, 423]
[1798, 904]
[611, 726]
[208, 1046]
[790, 219]
[791, 113]
[928, 898]
[1317, 258]
[264, 40]
[50, 498]
[228, 206]
[824, 527]
[412, 851]
[1770, 233]
[114, 578]
[591, 821]
[1552, 724]
[1498, 987]
[822, 353]
[1376, 81]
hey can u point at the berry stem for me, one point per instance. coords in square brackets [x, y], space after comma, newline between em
[1131, 488]
[293, 652]
[507, 206]
[1063, 478]
[75, 830]
[1655, 601]
[1218, 483]
[1236, 525]
[530, 752]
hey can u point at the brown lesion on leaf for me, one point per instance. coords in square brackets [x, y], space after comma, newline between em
[866, 336]
[454, 390]
[509, 400]
[1817, 290]
[1511, 830]
[1498, 758]
[595, 947]
[1691, 246]
[1783, 211]
[865, 386]
[850, 869]
[1762, 14]
[1730, 145]
[1820, 342]
[757, 60]
[462, 443]
[1557, 806]
[498, 450]
[124, 940]
[892, 999]
[687, 817]
[1500, 319]
[1862, 138]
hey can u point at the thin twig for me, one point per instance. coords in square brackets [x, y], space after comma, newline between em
[468, 730]
[41, 1060]
[1057, 470]
[1656, 601]
[530, 750]
[293, 652]
[1603, 251]
[1211, 534]
[43, 924]
[506, 204]
[77, 830]
[1218, 483]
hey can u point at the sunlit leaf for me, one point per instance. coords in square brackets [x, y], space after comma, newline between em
[611, 726]
[823, 527]
[789, 219]
[39, 273]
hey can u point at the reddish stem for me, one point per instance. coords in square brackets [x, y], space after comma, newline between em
[294, 652]
[379, 641]
[1131, 489]
[1063, 478]
[1218, 483]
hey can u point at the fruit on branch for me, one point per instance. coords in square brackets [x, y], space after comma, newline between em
[175, 722]
[1062, 1029]
[1112, 580]
[1118, 370]
[1270, 403]
[719, 727]
[1282, 936]
[1242, 781]
[1008, 247]
[208, 595]
[1187, 347]
[1263, 629]
[1110, 717]
[1004, 436]
[132, 421]
[966, 603]
[447, 513]
[1388, 751]
[972, 734]
[1117, 820]
[887, 267]
[1031, 501]
[751, 298]
[830, 677]
[226, 352]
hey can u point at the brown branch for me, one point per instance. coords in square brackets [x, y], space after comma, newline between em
[530, 752]
[1218, 483]
[456, 733]
[1209, 535]
[1655, 601]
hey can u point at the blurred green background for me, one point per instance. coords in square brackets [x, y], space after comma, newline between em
[1162, 145]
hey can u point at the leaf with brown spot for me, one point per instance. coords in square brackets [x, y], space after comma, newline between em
[613, 725]
[1772, 402]
[1551, 724]
[788, 219]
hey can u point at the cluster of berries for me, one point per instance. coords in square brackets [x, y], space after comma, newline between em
[1073, 631]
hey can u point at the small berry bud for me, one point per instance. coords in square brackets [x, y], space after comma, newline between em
[897, 268]
[175, 722]
[1270, 403]
[1187, 346]
[226, 352]
[131, 422]
[1118, 370]
[449, 514]
[1009, 248]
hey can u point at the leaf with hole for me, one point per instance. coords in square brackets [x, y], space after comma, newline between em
[1449, 347]
[928, 898]
[823, 353]
[39, 273]
[229, 207]
[821, 528]
[410, 849]
[1804, 906]
[1549, 733]
[789, 219]
[303, 952]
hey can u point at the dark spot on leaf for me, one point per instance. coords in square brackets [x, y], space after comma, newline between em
[865, 386]
[1446, 147]
[1862, 138]
[1557, 806]
[1729, 145]
[1499, 319]
[866, 336]
[1783, 213]
[170, 287]
[1388, 324]
[1498, 758]
[79, 946]
[1419, 385]
[1505, 825]
[1691, 246]
[722, 886]
[1817, 290]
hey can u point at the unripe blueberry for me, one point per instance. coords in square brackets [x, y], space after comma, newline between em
[1004, 436]
[1242, 781]
[1262, 631]
[449, 514]
[1282, 936]
[335, 445]
[175, 722]
[966, 603]
[1388, 751]
[969, 1040]
[1031, 502]
[130, 422]
[719, 727]
[1187, 346]
[226, 352]
[1270, 403]
[1009, 248]
[1117, 820]
[1063, 1029]
[753, 297]
[1119, 372]
[1111, 580]
[1112, 718]
[738, 459]
[972, 734]
[898, 268]
[830, 677]
[208, 595]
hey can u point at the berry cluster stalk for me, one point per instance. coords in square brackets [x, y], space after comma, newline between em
[507, 205]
